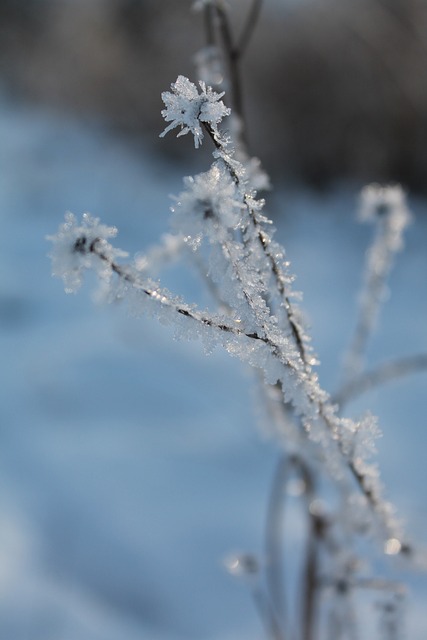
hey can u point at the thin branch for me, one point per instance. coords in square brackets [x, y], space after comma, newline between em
[379, 376]
[380, 584]
[81, 246]
[310, 581]
[274, 536]
[365, 322]
[249, 27]
[280, 283]
[267, 614]
[231, 54]
[208, 15]
[386, 208]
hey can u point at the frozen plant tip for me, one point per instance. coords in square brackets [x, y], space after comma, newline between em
[378, 200]
[187, 108]
[73, 250]
[386, 208]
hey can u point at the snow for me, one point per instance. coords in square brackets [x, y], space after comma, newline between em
[131, 464]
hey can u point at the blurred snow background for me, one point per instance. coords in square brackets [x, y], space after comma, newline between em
[131, 465]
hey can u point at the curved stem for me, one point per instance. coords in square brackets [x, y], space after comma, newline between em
[274, 536]
[380, 375]
[274, 543]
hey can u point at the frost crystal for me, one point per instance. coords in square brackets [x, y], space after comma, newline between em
[187, 108]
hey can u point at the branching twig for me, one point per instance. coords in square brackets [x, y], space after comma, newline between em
[320, 404]
[264, 242]
[82, 246]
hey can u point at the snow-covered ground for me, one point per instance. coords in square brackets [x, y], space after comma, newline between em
[131, 465]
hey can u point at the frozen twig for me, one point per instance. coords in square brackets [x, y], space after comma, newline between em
[386, 208]
[275, 536]
[271, 250]
[379, 376]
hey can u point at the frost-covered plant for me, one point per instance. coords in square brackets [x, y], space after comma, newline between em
[385, 207]
[220, 221]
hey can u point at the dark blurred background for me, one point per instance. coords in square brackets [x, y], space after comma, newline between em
[335, 90]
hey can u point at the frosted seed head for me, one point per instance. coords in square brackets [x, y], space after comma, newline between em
[73, 250]
[186, 108]
[377, 201]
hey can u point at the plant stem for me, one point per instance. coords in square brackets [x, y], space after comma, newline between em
[380, 375]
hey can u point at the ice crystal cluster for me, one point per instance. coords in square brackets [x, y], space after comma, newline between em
[219, 221]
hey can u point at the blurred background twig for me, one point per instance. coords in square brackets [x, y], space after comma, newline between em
[342, 81]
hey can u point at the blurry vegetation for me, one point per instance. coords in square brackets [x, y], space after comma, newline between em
[338, 85]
